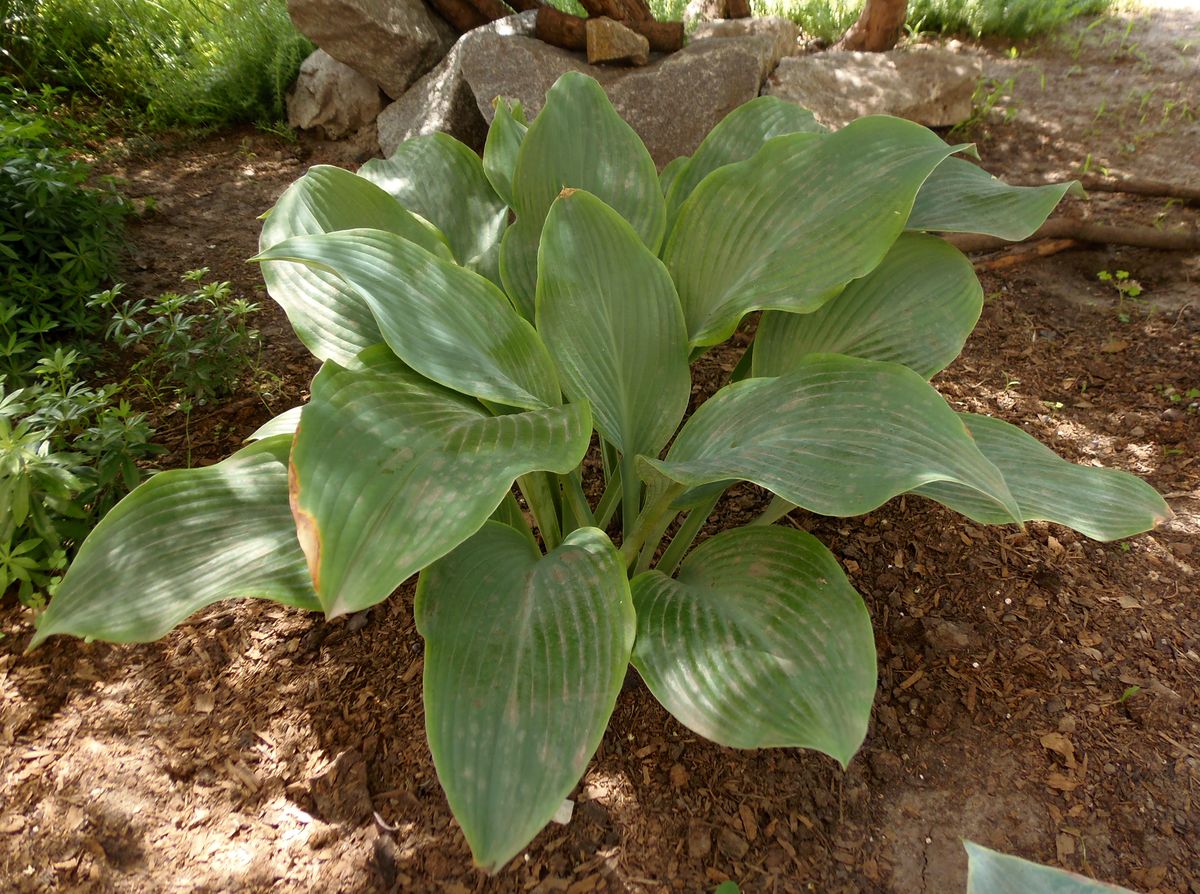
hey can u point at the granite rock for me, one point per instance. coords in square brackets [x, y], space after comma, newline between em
[332, 97]
[393, 42]
[929, 85]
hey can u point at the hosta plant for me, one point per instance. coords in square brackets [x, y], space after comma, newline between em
[485, 322]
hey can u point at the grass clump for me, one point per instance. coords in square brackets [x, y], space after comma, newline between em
[1001, 18]
[829, 19]
[195, 63]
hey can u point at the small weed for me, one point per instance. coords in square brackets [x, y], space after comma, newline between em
[989, 98]
[194, 345]
[1126, 287]
[1190, 397]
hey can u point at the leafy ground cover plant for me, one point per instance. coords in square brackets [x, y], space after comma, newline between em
[465, 350]
[68, 452]
[59, 235]
[193, 345]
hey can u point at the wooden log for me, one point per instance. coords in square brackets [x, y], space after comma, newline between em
[492, 9]
[561, 29]
[737, 9]
[598, 8]
[1086, 231]
[525, 5]
[570, 32]
[664, 37]
[461, 15]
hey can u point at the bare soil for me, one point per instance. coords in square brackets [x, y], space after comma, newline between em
[1038, 691]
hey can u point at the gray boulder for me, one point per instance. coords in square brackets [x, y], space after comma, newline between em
[442, 100]
[672, 103]
[393, 42]
[332, 97]
[780, 36]
[929, 85]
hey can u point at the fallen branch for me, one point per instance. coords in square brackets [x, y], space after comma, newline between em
[1032, 252]
[1138, 186]
[1086, 231]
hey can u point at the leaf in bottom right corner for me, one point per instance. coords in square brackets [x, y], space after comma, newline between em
[991, 872]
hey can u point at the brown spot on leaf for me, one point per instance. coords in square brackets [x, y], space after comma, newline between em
[307, 531]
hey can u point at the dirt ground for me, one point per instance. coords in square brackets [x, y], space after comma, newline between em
[1038, 691]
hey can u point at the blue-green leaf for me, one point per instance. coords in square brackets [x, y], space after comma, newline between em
[184, 540]
[760, 642]
[524, 657]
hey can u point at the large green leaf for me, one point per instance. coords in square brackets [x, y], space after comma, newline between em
[786, 229]
[761, 642]
[391, 471]
[960, 197]
[503, 145]
[671, 170]
[283, 424]
[838, 436]
[446, 322]
[328, 316]
[183, 540]
[442, 180]
[736, 138]
[917, 308]
[578, 140]
[1105, 504]
[524, 657]
[518, 264]
[991, 872]
[609, 314]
